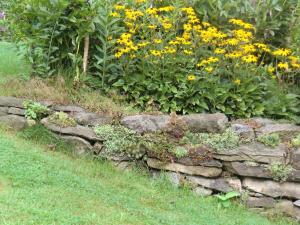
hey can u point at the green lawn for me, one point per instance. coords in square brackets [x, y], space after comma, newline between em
[44, 187]
[11, 62]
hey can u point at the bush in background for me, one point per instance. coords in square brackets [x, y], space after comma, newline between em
[165, 54]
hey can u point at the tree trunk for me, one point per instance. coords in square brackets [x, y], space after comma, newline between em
[86, 53]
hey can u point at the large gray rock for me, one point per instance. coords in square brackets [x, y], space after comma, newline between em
[208, 163]
[68, 108]
[3, 111]
[297, 203]
[11, 102]
[91, 119]
[146, 123]
[272, 188]
[211, 123]
[255, 152]
[15, 122]
[203, 192]
[81, 146]
[191, 170]
[264, 202]
[78, 131]
[245, 131]
[220, 184]
[16, 111]
[248, 169]
[296, 159]
[285, 128]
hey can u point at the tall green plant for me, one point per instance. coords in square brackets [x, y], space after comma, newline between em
[107, 30]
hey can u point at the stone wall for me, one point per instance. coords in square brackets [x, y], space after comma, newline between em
[243, 169]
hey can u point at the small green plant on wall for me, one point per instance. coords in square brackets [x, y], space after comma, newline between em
[62, 119]
[224, 199]
[280, 171]
[119, 140]
[296, 141]
[271, 140]
[218, 142]
[34, 110]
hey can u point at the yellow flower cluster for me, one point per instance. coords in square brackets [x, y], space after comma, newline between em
[154, 32]
[241, 23]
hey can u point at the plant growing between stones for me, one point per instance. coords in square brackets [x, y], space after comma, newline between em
[224, 200]
[219, 142]
[296, 141]
[119, 140]
[34, 110]
[179, 152]
[271, 140]
[62, 119]
[280, 171]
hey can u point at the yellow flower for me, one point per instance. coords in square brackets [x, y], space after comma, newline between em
[271, 69]
[119, 7]
[250, 58]
[167, 26]
[115, 14]
[219, 51]
[191, 77]
[237, 81]
[169, 50]
[188, 52]
[295, 65]
[282, 52]
[209, 69]
[282, 65]
[156, 53]
[152, 27]
[157, 41]
[118, 54]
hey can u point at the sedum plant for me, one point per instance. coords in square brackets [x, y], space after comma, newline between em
[271, 140]
[62, 119]
[119, 140]
[219, 142]
[280, 171]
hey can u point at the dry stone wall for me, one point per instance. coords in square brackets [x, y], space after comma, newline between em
[244, 169]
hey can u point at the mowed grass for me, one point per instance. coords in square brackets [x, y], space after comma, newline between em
[12, 63]
[45, 187]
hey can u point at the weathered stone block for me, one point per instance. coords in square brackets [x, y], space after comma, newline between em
[16, 111]
[203, 192]
[15, 122]
[11, 102]
[3, 111]
[272, 188]
[78, 131]
[255, 152]
[191, 170]
[264, 202]
[81, 146]
[220, 184]
[211, 123]
[146, 123]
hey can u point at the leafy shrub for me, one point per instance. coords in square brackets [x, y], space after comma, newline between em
[271, 140]
[62, 119]
[219, 142]
[120, 140]
[35, 110]
[280, 171]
